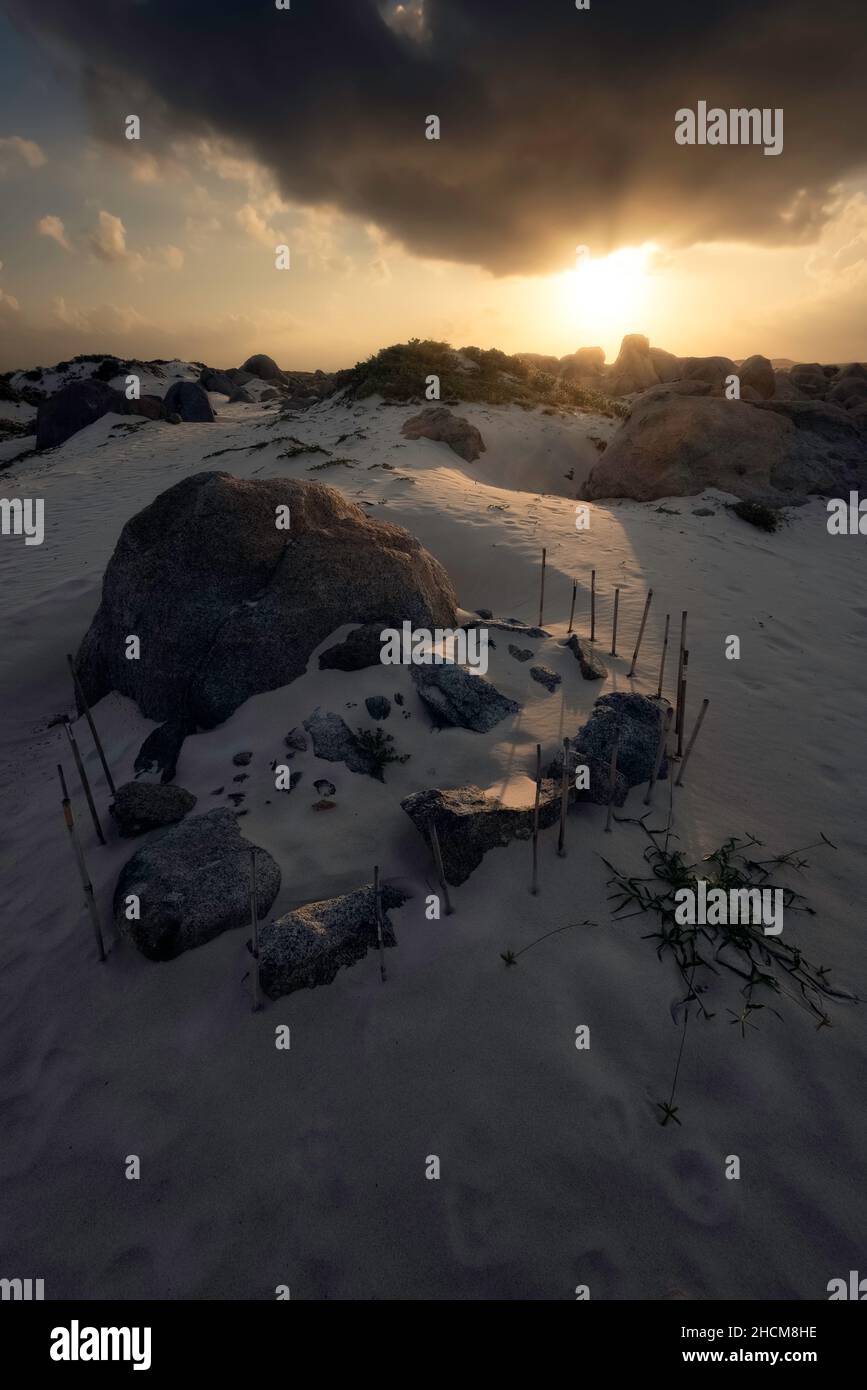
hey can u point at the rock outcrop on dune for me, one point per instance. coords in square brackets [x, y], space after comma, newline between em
[438, 423]
[189, 400]
[226, 605]
[633, 369]
[469, 823]
[677, 445]
[264, 367]
[217, 381]
[78, 405]
[192, 883]
[758, 373]
[307, 947]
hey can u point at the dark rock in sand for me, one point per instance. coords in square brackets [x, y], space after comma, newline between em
[545, 676]
[519, 653]
[160, 751]
[324, 787]
[296, 742]
[193, 883]
[217, 381]
[592, 669]
[242, 759]
[438, 423]
[360, 649]
[334, 741]
[469, 823]
[73, 408]
[458, 697]
[241, 396]
[308, 946]
[189, 400]
[226, 605]
[637, 721]
[378, 706]
[757, 372]
[142, 806]
[264, 367]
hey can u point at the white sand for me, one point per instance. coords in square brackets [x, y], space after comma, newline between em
[262, 1167]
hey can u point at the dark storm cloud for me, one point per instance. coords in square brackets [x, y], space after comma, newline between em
[557, 124]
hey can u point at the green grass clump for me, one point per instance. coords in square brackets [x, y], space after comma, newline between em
[376, 745]
[757, 514]
[399, 373]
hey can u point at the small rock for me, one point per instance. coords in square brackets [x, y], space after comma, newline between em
[458, 697]
[703, 511]
[484, 613]
[307, 947]
[398, 698]
[241, 777]
[295, 741]
[520, 653]
[378, 706]
[334, 741]
[237, 797]
[592, 669]
[324, 805]
[241, 759]
[545, 676]
[324, 787]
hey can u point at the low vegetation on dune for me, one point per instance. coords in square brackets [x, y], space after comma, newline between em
[400, 372]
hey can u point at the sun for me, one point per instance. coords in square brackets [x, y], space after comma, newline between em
[603, 298]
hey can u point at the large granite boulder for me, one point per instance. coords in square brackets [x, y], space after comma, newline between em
[308, 946]
[810, 379]
[712, 370]
[192, 883]
[216, 381]
[189, 400]
[666, 365]
[73, 408]
[461, 697]
[586, 363]
[142, 806]
[438, 423]
[634, 369]
[264, 367]
[469, 823]
[674, 445]
[227, 605]
[757, 372]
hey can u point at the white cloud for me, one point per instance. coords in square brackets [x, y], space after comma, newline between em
[53, 228]
[251, 221]
[14, 148]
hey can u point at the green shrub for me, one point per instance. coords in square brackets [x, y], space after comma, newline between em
[757, 514]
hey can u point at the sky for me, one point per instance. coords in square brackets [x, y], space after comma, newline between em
[556, 210]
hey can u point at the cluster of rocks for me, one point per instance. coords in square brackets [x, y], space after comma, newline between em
[233, 606]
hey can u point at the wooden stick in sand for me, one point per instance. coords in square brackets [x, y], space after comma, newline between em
[82, 867]
[89, 717]
[682, 703]
[84, 782]
[662, 658]
[534, 886]
[564, 800]
[438, 860]
[693, 737]
[679, 670]
[612, 774]
[254, 919]
[542, 587]
[614, 629]
[378, 918]
[572, 609]
[641, 631]
[660, 749]
[592, 605]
